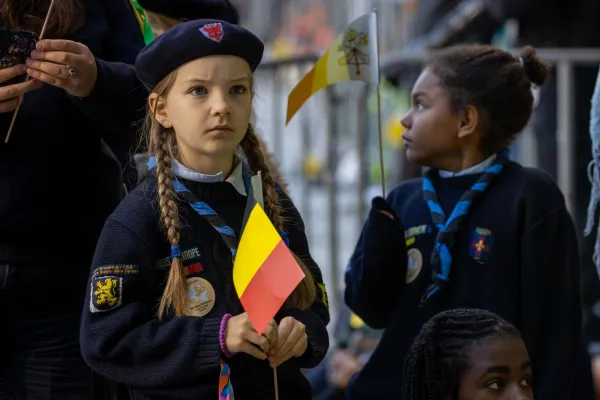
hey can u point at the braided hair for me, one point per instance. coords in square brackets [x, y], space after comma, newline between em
[162, 143]
[440, 352]
[494, 81]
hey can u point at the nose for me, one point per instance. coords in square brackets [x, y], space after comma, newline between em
[219, 104]
[516, 392]
[406, 121]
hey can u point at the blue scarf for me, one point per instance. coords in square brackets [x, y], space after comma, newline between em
[441, 258]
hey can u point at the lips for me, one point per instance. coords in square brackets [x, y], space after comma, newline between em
[220, 128]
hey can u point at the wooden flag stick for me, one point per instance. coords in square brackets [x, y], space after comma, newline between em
[275, 383]
[14, 118]
[379, 134]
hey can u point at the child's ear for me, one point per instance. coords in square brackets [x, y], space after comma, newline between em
[468, 122]
[159, 109]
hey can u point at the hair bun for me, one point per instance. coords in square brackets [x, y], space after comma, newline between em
[537, 71]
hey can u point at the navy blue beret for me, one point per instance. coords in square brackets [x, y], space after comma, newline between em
[193, 9]
[192, 40]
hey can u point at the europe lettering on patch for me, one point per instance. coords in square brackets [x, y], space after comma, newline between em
[481, 245]
[417, 231]
[324, 297]
[106, 293]
[117, 269]
[186, 255]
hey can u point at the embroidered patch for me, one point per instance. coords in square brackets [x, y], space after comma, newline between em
[118, 269]
[106, 293]
[200, 297]
[192, 269]
[481, 245]
[186, 255]
[213, 31]
[324, 297]
[417, 231]
[411, 233]
[415, 263]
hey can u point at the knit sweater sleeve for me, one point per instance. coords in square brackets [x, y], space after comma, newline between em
[122, 340]
[316, 318]
[118, 101]
[551, 297]
[376, 272]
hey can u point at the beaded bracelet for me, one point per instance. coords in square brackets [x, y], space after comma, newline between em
[222, 340]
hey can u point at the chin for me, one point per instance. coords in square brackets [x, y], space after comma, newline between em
[218, 148]
[414, 157]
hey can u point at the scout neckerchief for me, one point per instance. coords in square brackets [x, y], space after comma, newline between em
[441, 258]
[142, 18]
[227, 234]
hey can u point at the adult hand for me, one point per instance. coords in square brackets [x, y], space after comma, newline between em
[9, 95]
[65, 64]
[241, 337]
[292, 341]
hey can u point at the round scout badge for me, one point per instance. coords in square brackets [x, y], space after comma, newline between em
[200, 297]
[415, 263]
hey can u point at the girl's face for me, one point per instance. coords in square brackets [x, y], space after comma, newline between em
[431, 123]
[499, 369]
[208, 106]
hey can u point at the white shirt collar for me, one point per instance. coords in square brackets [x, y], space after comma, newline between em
[475, 169]
[235, 178]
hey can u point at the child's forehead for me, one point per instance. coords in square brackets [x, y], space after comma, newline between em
[497, 350]
[428, 83]
[216, 67]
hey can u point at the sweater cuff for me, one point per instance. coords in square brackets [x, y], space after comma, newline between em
[380, 228]
[223, 336]
[209, 352]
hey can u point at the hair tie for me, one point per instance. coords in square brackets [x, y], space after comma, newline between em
[521, 61]
[175, 251]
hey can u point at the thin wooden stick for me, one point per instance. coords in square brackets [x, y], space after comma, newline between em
[42, 33]
[379, 134]
[275, 383]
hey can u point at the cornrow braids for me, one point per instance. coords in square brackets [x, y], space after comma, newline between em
[304, 295]
[439, 353]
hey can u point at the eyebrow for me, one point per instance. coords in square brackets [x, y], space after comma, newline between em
[526, 364]
[496, 370]
[417, 94]
[237, 79]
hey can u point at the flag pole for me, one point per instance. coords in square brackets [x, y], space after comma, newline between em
[379, 110]
[275, 383]
[42, 33]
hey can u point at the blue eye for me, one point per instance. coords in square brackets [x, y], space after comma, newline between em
[198, 91]
[420, 107]
[238, 89]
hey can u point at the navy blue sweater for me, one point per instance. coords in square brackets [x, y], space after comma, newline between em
[179, 358]
[57, 164]
[516, 255]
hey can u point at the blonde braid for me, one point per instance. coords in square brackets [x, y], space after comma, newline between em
[304, 295]
[174, 294]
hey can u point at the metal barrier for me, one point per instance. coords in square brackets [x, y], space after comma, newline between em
[333, 208]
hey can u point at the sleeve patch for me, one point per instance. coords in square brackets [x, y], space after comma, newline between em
[118, 269]
[324, 297]
[106, 293]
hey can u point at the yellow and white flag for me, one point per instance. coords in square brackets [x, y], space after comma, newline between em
[352, 57]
